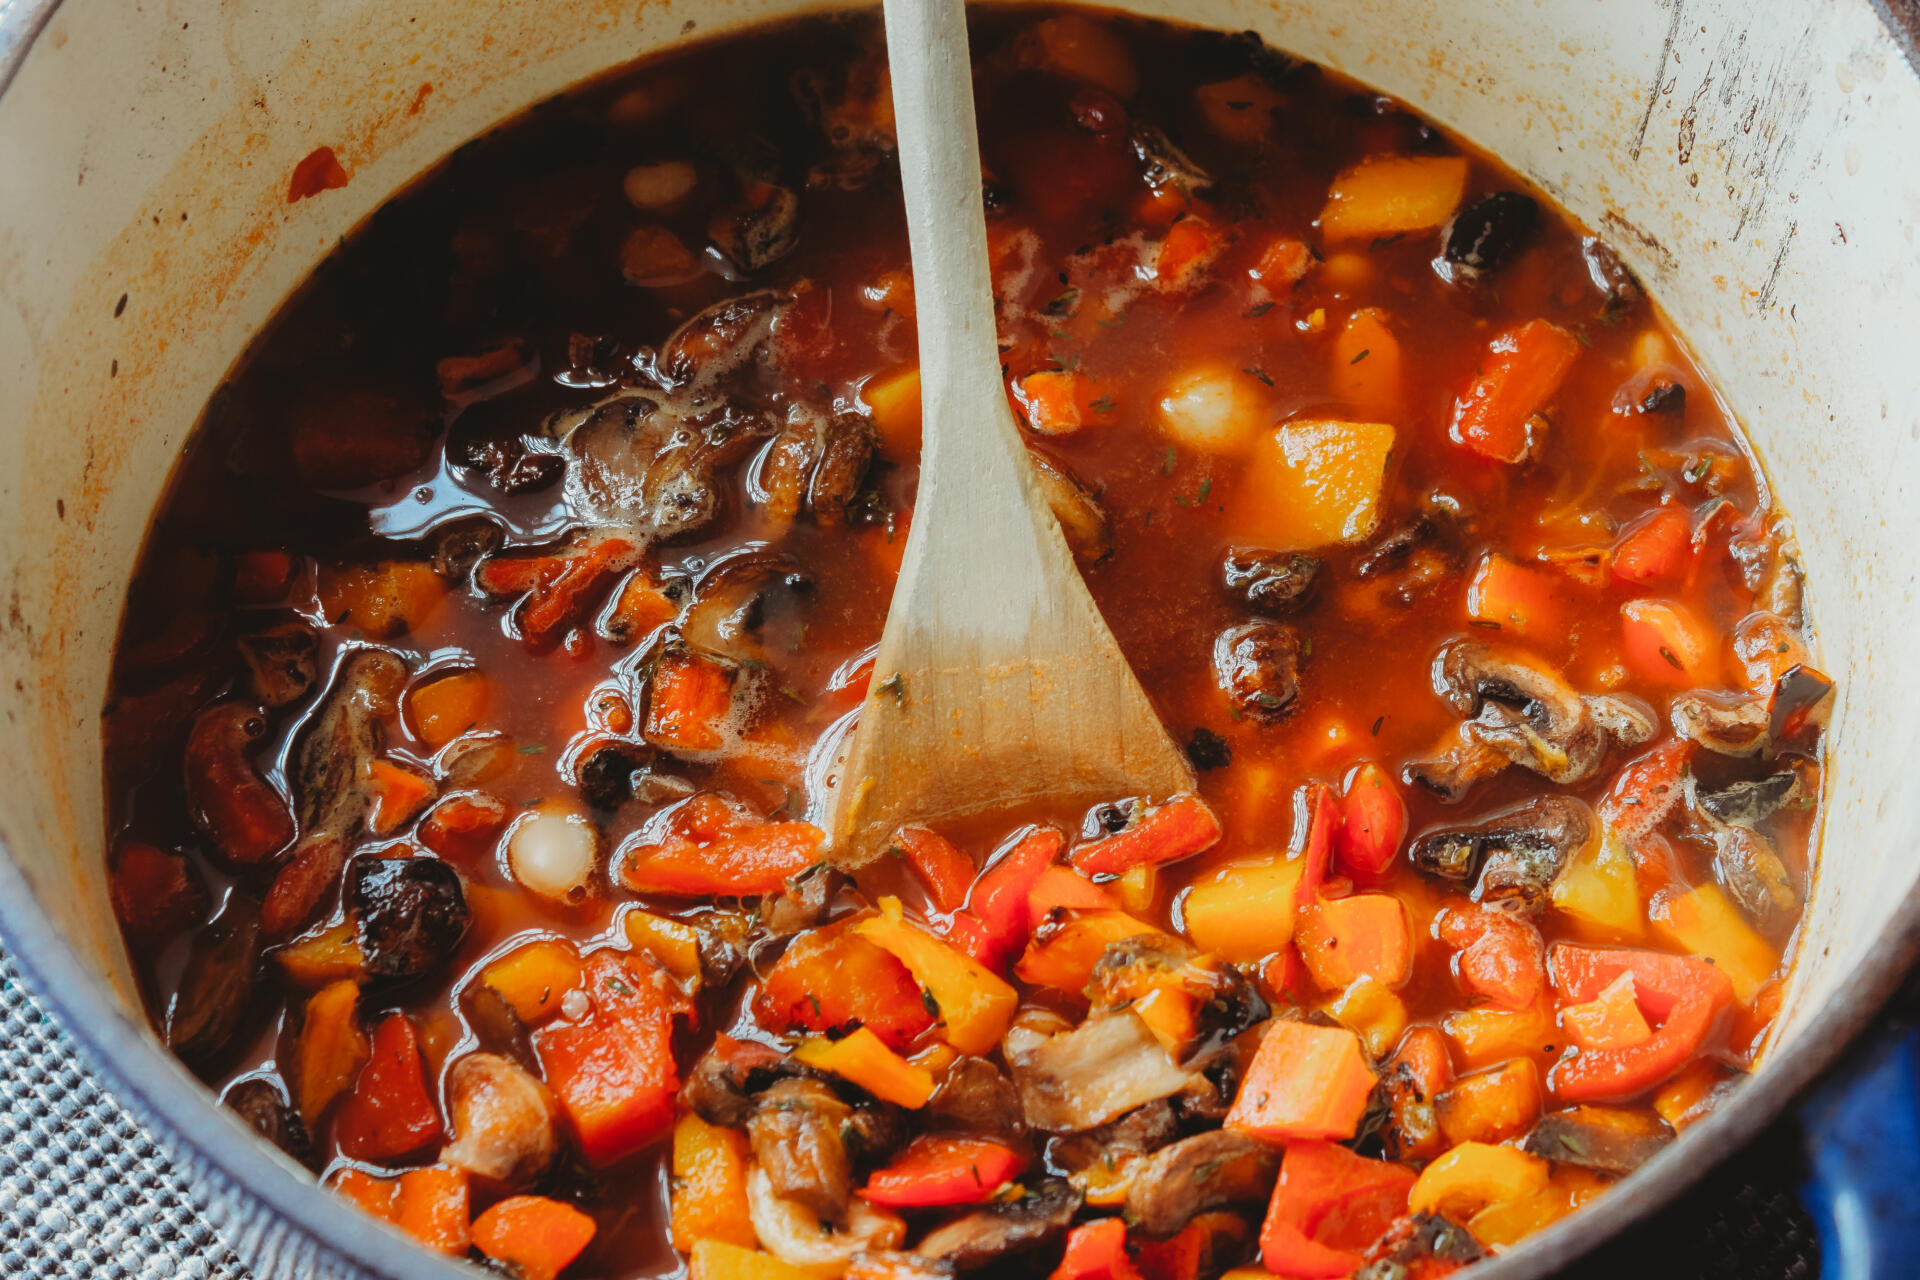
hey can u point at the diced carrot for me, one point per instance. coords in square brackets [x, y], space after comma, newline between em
[463, 827]
[1373, 822]
[691, 702]
[975, 1006]
[1389, 195]
[1534, 602]
[332, 1047]
[1522, 369]
[1244, 912]
[566, 587]
[1096, 1250]
[894, 400]
[1611, 1020]
[641, 608]
[1366, 364]
[400, 792]
[1347, 938]
[675, 944]
[539, 1238]
[1154, 834]
[830, 978]
[1064, 951]
[531, 979]
[1188, 249]
[707, 846]
[1315, 482]
[1283, 263]
[1305, 1082]
[864, 1059]
[940, 865]
[1493, 1105]
[443, 709]
[384, 600]
[1057, 402]
[1665, 642]
[379, 1197]
[1501, 956]
[708, 1194]
[433, 1207]
[1489, 1034]
[613, 1069]
[1655, 550]
[1063, 887]
[261, 577]
[390, 1113]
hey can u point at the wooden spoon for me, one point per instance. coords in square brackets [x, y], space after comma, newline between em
[997, 683]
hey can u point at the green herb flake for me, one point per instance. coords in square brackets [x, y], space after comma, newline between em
[1206, 487]
[895, 684]
[1258, 372]
[1257, 310]
[1671, 660]
[1171, 461]
[533, 749]
[1104, 404]
[1362, 356]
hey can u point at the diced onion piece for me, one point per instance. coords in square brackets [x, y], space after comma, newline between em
[1215, 410]
[552, 852]
[657, 188]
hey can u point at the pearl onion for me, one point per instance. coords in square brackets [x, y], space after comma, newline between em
[552, 852]
[659, 187]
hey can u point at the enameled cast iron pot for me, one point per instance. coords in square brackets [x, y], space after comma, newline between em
[1756, 161]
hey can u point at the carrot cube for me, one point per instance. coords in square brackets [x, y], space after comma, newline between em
[1305, 1082]
[1366, 935]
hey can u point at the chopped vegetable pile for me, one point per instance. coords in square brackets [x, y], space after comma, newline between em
[480, 691]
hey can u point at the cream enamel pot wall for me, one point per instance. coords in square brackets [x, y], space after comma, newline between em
[1754, 160]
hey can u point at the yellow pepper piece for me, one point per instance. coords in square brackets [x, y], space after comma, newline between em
[1315, 482]
[1371, 1012]
[328, 956]
[1598, 888]
[709, 1190]
[674, 943]
[1139, 888]
[1386, 195]
[531, 979]
[332, 1047]
[1474, 1175]
[718, 1260]
[1702, 921]
[864, 1058]
[1244, 913]
[976, 1005]
[1489, 1034]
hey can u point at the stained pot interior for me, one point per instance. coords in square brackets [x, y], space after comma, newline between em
[1754, 164]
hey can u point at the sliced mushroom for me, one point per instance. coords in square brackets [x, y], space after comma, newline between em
[1745, 862]
[607, 776]
[216, 988]
[721, 1087]
[1729, 728]
[1176, 1184]
[1001, 1232]
[410, 914]
[283, 663]
[1518, 852]
[1225, 1003]
[1082, 519]
[820, 462]
[637, 460]
[1485, 236]
[496, 1025]
[332, 759]
[262, 1103]
[793, 1233]
[803, 902]
[757, 227]
[1270, 582]
[1418, 554]
[1609, 274]
[1106, 1151]
[719, 341]
[1258, 664]
[976, 1096]
[733, 600]
[510, 464]
[1073, 1080]
[459, 546]
[1603, 1138]
[1162, 164]
[796, 1131]
[503, 1121]
[1461, 763]
[1747, 804]
[1533, 717]
[242, 814]
[302, 886]
[1413, 1242]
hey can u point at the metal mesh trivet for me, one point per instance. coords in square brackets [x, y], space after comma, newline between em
[85, 1193]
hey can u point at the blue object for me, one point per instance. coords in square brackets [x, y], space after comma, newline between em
[1862, 1133]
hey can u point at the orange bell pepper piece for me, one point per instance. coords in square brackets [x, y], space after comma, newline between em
[831, 977]
[389, 1114]
[536, 1236]
[1522, 369]
[941, 866]
[936, 1171]
[710, 847]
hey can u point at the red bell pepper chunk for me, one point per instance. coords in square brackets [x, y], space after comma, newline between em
[1097, 1251]
[945, 870]
[1373, 822]
[1064, 887]
[1323, 821]
[1180, 828]
[935, 1171]
[1500, 956]
[997, 919]
[1685, 995]
[389, 1114]
[1655, 550]
[613, 1069]
[1328, 1207]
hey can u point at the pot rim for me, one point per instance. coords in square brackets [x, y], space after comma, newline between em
[129, 1059]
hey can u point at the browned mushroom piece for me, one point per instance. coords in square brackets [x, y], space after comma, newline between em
[1001, 1232]
[1082, 519]
[217, 986]
[302, 886]
[1751, 802]
[637, 460]
[736, 599]
[974, 1095]
[1607, 1139]
[1418, 554]
[1610, 276]
[409, 914]
[1163, 164]
[796, 1131]
[156, 893]
[1532, 716]
[804, 901]
[1801, 701]
[1257, 663]
[1460, 763]
[503, 1121]
[1225, 1003]
[795, 1234]
[262, 1103]
[283, 663]
[1517, 853]
[720, 1088]
[719, 341]
[496, 1025]
[459, 546]
[1107, 1151]
[1270, 582]
[1728, 727]
[331, 760]
[1420, 1238]
[1176, 1184]
[242, 814]
[818, 462]
[1745, 861]
[1070, 1081]
[759, 226]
